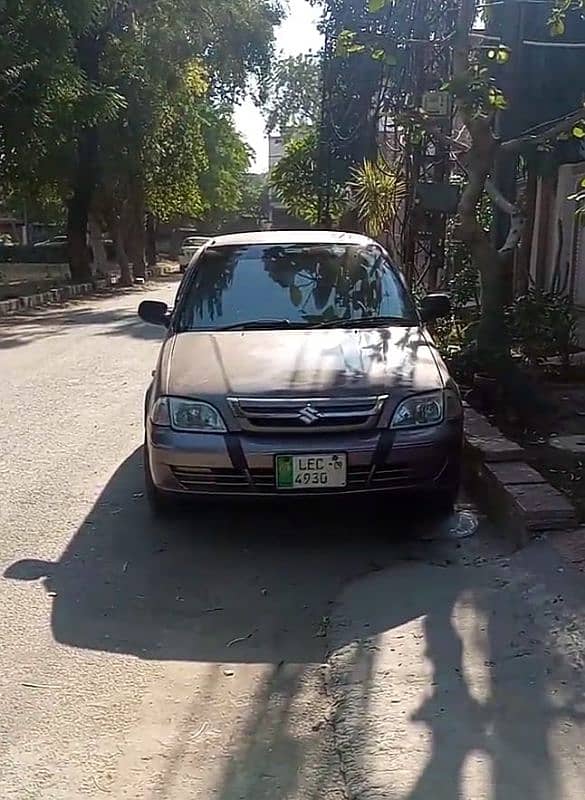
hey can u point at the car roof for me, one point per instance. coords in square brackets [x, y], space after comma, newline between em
[289, 237]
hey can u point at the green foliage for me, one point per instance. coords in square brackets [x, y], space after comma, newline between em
[558, 15]
[235, 38]
[455, 336]
[296, 181]
[294, 94]
[363, 54]
[252, 193]
[222, 183]
[132, 71]
[377, 189]
[375, 6]
[348, 44]
[543, 325]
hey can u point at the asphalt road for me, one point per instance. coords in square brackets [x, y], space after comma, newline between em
[141, 659]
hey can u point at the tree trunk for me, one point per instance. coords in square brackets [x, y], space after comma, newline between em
[88, 50]
[136, 233]
[77, 239]
[522, 277]
[504, 177]
[121, 256]
[100, 258]
[151, 255]
[78, 208]
[493, 340]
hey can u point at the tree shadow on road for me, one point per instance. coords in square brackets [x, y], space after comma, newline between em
[481, 699]
[28, 326]
[184, 589]
[230, 585]
[221, 586]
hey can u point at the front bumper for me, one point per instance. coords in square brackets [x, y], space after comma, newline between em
[238, 464]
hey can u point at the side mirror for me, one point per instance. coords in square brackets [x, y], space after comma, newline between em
[154, 312]
[435, 306]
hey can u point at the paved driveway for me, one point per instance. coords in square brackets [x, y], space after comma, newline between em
[184, 660]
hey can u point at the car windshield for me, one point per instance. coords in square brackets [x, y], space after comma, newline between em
[306, 285]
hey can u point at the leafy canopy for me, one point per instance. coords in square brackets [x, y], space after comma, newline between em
[164, 72]
[296, 180]
[294, 94]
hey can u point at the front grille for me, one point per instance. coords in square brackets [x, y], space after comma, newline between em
[263, 481]
[314, 415]
[393, 477]
[214, 481]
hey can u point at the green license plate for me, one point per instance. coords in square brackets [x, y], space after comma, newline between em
[314, 471]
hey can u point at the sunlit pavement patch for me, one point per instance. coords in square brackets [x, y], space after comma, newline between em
[570, 444]
[460, 682]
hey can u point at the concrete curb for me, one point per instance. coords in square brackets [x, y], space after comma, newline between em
[508, 487]
[59, 295]
[50, 296]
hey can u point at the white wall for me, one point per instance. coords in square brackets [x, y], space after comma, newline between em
[565, 238]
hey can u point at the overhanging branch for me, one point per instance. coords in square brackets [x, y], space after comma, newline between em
[517, 222]
[502, 202]
[544, 133]
[516, 214]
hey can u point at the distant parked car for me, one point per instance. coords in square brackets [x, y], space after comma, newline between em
[190, 247]
[54, 241]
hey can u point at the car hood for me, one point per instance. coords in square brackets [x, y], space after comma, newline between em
[300, 363]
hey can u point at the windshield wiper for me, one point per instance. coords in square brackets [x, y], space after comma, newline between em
[262, 324]
[366, 322]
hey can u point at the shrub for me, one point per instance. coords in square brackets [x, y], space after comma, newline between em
[543, 325]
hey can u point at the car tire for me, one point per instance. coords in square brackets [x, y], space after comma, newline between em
[160, 503]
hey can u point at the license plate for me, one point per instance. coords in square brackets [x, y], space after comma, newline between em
[327, 471]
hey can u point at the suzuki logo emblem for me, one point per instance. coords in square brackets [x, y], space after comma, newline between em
[309, 415]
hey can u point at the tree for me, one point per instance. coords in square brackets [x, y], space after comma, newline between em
[352, 90]
[48, 140]
[174, 100]
[296, 181]
[115, 103]
[294, 94]
[252, 200]
[229, 159]
[480, 104]
[52, 104]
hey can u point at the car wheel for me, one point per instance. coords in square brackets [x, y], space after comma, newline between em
[160, 503]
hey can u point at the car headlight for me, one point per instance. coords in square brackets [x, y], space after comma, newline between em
[192, 416]
[419, 411]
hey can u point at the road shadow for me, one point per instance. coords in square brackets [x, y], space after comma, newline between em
[235, 582]
[27, 326]
[491, 656]
[234, 585]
